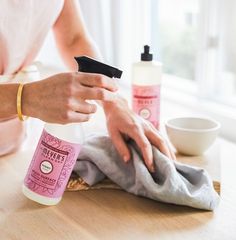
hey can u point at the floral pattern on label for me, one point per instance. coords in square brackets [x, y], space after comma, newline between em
[146, 103]
[51, 166]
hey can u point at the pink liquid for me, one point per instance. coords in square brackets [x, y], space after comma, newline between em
[146, 103]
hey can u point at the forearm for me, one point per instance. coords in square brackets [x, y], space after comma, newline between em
[8, 93]
[8, 98]
[71, 36]
[80, 45]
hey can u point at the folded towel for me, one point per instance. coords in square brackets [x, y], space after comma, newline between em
[172, 182]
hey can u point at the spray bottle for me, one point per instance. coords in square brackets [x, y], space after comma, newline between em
[146, 85]
[58, 149]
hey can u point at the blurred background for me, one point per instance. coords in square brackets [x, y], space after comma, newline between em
[194, 39]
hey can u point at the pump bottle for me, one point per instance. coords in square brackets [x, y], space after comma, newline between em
[146, 86]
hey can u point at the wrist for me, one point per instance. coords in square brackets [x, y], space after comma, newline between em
[26, 103]
[111, 106]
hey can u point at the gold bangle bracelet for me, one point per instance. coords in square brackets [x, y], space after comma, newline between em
[19, 101]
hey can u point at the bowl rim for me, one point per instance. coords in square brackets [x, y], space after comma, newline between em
[217, 127]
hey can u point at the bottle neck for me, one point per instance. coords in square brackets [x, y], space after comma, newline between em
[72, 133]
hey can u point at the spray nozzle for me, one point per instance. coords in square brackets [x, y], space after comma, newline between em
[90, 65]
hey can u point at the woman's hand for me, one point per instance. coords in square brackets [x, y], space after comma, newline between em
[122, 123]
[62, 98]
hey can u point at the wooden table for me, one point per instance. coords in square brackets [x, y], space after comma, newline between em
[111, 214]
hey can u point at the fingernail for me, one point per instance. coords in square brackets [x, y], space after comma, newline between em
[126, 158]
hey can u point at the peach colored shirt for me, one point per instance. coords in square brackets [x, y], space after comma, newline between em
[24, 25]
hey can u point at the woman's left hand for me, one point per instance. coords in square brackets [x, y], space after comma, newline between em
[123, 123]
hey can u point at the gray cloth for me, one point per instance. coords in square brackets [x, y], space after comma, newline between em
[172, 182]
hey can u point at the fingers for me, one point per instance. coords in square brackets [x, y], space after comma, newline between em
[173, 157]
[95, 94]
[89, 86]
[165, 141]
[158, 141]
[73, 117]
[96, 80]
[82, 106]
[120, 145]
[70, 91]
[141, 140]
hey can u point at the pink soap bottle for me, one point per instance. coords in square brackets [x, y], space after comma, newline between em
[53, 161]
[146, 86]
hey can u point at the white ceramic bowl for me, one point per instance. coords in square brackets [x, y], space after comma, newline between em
[191, 135]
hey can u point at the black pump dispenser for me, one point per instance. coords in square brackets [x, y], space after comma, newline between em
[146, 56]
[90, 65]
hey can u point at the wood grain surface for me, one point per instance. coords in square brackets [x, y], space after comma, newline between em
[112, 214]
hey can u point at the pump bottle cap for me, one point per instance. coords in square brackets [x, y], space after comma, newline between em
[146, 56]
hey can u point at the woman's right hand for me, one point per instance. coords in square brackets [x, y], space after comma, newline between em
[62, 98]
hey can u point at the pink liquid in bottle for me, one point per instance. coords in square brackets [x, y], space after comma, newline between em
[146, 103]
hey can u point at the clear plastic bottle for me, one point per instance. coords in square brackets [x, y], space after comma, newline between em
[146, 86]
[53, 161]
